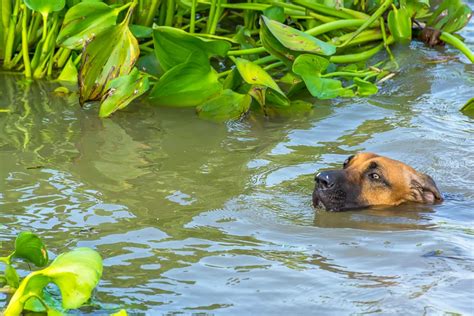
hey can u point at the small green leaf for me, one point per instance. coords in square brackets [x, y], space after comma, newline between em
[468, 107]
[310, 64]
[149, 64]
[287, 43]
[227, 105]
[29, 247]
[45, 6]
[84, 21]
[188, 84]
[140, 31]
[365, 88]
[174, 46]
[260, 80]
[111, 54]
[76, 273]
[69, 72]
[275, 13]
[11, 276]
[123, 90]
[309, 67]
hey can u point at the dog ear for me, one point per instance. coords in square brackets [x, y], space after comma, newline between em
[424, 190]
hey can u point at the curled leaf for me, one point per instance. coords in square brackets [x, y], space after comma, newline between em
[123, 90]
[286, 43]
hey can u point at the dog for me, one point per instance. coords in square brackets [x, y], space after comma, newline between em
[368, 179]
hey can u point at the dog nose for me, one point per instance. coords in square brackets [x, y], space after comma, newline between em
[325, 180]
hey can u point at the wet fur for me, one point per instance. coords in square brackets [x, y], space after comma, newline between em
[355, 186]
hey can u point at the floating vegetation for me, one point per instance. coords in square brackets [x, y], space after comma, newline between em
[222, 57]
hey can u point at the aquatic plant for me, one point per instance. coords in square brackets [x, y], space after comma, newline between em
[76, 274]
[221, 57]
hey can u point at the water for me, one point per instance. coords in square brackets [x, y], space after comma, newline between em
[196, 217]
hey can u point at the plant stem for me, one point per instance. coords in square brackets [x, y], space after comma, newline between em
[193, 17]
[152, 12]
[249, 51]
[354, 58]
[45, 25]
[11, 36]
[378, 13]
[212, 12]
[24, 43]
[335, 25]
[457, 43]
[169, 12]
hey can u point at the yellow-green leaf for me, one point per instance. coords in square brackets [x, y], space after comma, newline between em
[123, 90]
[84, 21]
[111, 54]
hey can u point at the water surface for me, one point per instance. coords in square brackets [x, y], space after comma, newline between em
[192, 216]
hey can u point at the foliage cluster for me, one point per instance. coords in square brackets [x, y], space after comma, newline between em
[76, 274]
[222, 57]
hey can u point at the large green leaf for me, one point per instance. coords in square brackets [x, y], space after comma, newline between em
[187, 84]
[309, 67]
[226, 106]
[45, 6]
[174, 46]
[123, 90]
[84, 21]
[259, 81]
[30, 247]
[76, 273]
[287, 43]
[111, 54]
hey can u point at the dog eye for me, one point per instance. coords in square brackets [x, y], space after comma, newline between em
[374, 176]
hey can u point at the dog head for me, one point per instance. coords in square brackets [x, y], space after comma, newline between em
[367, 179]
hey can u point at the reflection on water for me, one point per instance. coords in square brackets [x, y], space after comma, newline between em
[192, 216]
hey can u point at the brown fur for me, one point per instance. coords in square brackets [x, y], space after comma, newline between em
[368, 179]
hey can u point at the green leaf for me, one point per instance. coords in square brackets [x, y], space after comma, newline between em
[30, 247]
[123, 90]
[76, 273]
[286, 43]
[111, 54]
[260, 80]
[174, 46]
[11, 276]
[69, 72]
[469, 106]
[275, 13]
[188, 84]
[310, 64]
[399, 24]
[84, 21]
[225, 106]
[149, 64]
[365, 88]
[140, 31]
[45, 6]
[309, 67]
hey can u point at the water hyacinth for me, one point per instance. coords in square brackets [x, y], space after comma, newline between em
[191, 54]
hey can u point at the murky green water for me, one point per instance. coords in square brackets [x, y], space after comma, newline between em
[192, 217]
